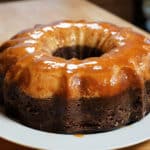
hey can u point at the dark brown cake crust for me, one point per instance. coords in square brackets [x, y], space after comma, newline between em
[147, 87]
[77, 116]
[1, 87]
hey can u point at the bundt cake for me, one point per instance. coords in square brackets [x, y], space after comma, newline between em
[76, 76]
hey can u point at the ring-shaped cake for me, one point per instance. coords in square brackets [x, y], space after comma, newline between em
[76, 76]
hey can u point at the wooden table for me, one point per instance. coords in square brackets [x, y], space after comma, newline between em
[15, 16]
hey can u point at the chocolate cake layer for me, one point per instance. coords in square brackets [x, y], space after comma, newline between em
[76, 116]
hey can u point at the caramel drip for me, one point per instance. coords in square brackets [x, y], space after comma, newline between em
[79, 135]
[125, 60]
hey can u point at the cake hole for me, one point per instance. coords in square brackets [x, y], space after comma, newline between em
[79, 52]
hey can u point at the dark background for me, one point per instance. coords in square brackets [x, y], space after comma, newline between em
[130, 10]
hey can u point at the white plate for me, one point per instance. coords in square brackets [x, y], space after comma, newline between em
[126, 136]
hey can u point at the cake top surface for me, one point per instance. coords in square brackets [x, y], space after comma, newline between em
[83, 59]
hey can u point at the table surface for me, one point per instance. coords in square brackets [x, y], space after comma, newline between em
[18, 15]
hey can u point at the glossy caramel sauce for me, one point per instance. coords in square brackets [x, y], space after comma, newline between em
[79, 135]
[125, 62]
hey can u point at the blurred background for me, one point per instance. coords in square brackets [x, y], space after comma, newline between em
[134, 11]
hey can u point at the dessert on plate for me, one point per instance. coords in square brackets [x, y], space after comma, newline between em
[76, 76]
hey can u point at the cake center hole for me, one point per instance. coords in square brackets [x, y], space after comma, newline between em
[79, 52]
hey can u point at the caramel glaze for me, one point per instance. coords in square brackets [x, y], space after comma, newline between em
[79, 135]
[27, 60]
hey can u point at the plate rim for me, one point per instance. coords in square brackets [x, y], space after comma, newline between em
[125, 144]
